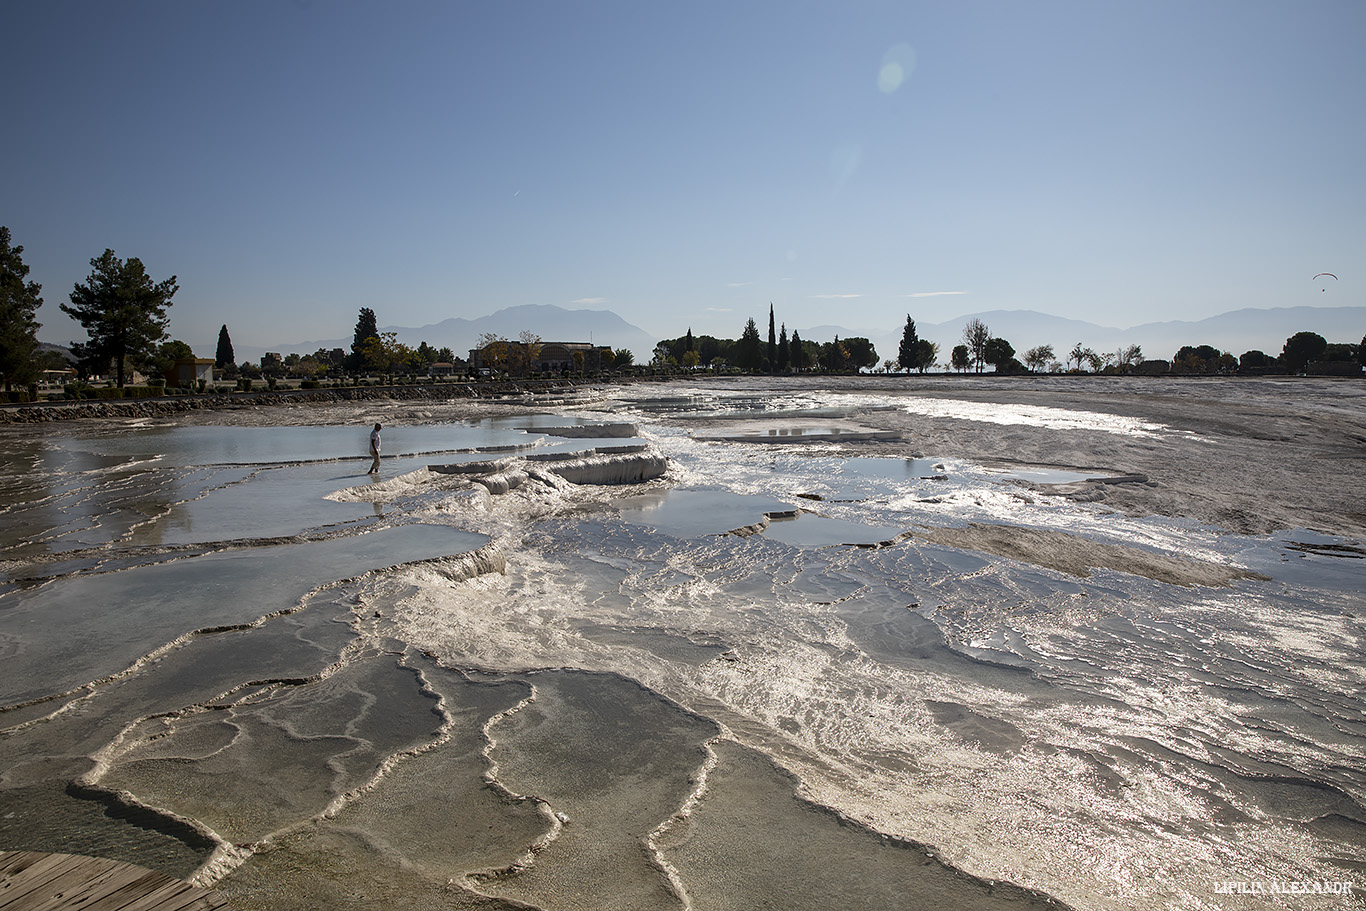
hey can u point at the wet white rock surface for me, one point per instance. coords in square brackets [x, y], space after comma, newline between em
[1099, 640]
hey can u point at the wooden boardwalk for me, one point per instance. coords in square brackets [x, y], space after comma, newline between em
[30, 881]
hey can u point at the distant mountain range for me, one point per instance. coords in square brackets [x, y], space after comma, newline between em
[552, 324]
[1237, 331]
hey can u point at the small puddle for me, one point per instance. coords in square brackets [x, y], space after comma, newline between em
[886, 469]
[696, 513]
[807, 530]
[277, 445]
[56, 641]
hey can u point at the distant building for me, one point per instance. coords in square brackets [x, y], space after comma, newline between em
[59, 376]
[562, 356]
[441, 368]
[188, 371]
[544, 357]
[131, 375]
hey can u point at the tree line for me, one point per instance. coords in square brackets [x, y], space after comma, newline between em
[372, 351]
[782, 353]
[792, 354]
[980, 349]
[123, 312]
[1301, 352]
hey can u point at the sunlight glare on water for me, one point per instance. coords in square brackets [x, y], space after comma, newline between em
[1033, 415]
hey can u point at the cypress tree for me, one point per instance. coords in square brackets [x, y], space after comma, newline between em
[19, 303]
[772, 341]
[224, 356]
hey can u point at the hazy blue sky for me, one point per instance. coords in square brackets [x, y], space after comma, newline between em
[684, 164]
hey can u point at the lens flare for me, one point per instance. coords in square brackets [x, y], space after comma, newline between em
[890, 77]
[897, 65]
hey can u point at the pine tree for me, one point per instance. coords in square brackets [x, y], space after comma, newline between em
[784, 355]
[909, 354]
[798, 353]
[19, 303]
[122, 311]
[750, 356]
[366, 329]
[837, 356]
[224, 356]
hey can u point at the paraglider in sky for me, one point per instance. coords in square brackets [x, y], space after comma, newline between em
[1321, 274]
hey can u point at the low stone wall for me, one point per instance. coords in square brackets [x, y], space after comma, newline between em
[171, 405]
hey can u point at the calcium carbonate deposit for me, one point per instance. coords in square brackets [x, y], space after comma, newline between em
[864, 643]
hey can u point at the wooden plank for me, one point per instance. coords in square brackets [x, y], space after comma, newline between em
[141, 894]
[30, 881]
[179, 897]
[99, 887]
[36, 873]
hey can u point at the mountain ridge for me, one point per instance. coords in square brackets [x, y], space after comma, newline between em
[551, 323]
[1235, 331]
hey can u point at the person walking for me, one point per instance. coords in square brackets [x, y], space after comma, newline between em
[374, 450]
